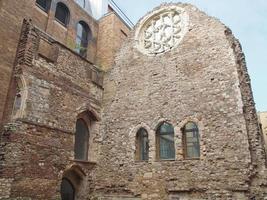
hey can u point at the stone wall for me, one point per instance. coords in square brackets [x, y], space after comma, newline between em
[37, 147]
[203, 80]
[263, 122]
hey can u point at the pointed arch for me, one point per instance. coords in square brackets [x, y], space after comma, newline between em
[62, 14]
[20, 97]
[83, 36]
[190, 138]
[165, 141]
[81, 143]
[142, 145]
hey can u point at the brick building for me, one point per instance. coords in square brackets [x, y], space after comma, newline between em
[90, 109]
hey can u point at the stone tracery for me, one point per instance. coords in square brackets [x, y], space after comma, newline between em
[163, 31]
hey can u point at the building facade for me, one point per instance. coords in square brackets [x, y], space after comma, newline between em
[91, 109]
[263, 124]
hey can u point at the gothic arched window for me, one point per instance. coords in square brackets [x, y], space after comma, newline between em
[82, 38]
[44, 4]
[191, 141]
[165, 142]
[62, 13]
[81, 140]
[19, 104]
[142, 146]
[67, 190]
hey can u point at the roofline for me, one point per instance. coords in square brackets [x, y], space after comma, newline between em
[121, 14]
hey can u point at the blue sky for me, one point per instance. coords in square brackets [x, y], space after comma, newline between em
[246, 18]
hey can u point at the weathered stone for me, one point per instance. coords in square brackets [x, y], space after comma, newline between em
[200, 78]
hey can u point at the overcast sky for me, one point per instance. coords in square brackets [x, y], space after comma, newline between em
[246, 18]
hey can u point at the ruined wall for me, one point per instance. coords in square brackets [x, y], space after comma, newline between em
[37, 146]
[203, 80]
[263, 121]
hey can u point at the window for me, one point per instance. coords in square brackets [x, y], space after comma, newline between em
[67, 190]
[44, 4]
[62, 13]
[142, 147]
[191, 140]
[165, 142]
[81, 140]
[81, 3]
[20, 97]
[82, 38]
[17, 103]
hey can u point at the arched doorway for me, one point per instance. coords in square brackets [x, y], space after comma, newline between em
[67, 190]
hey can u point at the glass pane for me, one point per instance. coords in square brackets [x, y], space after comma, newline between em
[43, 4]
[67, 190]
[143, 144]
[166, 147]
[81, 140]
[78, 45]
[190, 126]
[166, 128]
[62, 13]
[166, 141]
[82, 39]
[17, 104]
[192, 140]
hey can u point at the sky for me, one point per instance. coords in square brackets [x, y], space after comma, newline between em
[246, 18]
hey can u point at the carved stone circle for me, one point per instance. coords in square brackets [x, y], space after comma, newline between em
[162, 30]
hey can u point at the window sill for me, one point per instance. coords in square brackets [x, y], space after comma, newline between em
[60, 23]
[192, 159]
[165, 160]
[40, 8]
[141, 161]
[86, 162]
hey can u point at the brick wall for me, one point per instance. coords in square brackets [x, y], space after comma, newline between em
[11, 27]
[112, 33]
[37, 148]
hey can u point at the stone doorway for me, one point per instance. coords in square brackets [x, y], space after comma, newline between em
[67, 190]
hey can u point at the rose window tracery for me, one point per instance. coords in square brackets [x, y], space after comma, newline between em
[162, 31]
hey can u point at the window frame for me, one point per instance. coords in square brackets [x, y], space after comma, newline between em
[47, 8]
[67, 10]
[139, 154]
[158, 146]
[70, 184]
[185, 143]
[87, 141]
[81, 49]
[21, 93]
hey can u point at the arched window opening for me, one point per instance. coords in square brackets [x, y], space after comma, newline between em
[81, 140]
[19, 103]
[82, 38]
[142, 146]
[81, 3]
[44, 4]
[62, 13]
[191, 140]
[67, 190]
[165, 142]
